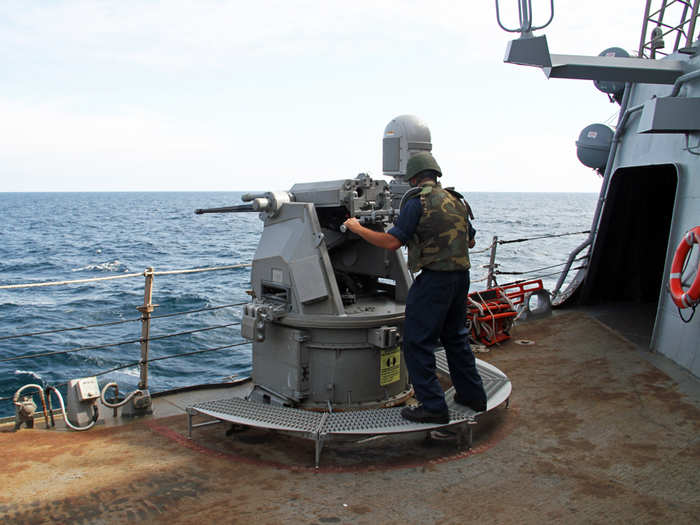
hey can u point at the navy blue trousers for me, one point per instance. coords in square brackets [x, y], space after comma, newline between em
[436, 311]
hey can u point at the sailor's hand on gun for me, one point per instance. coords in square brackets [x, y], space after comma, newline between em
[352, 224]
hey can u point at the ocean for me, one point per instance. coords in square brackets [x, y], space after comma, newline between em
[71, 236]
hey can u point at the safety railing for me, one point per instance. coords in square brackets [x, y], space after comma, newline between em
[493, 267]
[146, 309]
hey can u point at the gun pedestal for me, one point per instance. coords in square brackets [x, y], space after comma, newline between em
[328, 308]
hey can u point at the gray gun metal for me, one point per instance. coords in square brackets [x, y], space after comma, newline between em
[327, 312]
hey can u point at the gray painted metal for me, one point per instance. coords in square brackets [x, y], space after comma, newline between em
[528, 51]
[241, 411]
[593, 146]
[612, 88]
[404, 136]
[534, 51]
[320, 426]
[614, 69]
[670, 115]
[654, 131]
[373, 421]
[324, 300]
[671, 337]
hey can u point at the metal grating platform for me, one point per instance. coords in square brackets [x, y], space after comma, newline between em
[319, 426]
[237, 410]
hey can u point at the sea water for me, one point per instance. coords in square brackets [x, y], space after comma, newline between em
[72, 236]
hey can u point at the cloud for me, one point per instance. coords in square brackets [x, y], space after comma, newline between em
[179, 33]
[284, 90]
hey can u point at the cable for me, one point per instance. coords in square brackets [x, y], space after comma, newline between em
[29, 334]
[112, 323]
[136, 363]
[71, 350]
[63, 410]
[542, 237]
[472, 252]
[115, 369]
[18, 404]
[196, 311]
[125, 276]
[538, 269]
[549, 236]
[166, 336]
[120, 403]
[100, 347]
[198, 352]
[540, 276]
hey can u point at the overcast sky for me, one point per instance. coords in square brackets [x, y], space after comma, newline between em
[237, 95]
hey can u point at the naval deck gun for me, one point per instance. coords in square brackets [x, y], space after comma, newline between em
[327, 308]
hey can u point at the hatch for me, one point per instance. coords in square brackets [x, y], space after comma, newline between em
[629, 252]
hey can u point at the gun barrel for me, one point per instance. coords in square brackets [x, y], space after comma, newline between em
[241, 208]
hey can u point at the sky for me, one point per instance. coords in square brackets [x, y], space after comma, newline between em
[237, 95]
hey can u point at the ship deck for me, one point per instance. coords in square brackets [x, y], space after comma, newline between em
[596, 431]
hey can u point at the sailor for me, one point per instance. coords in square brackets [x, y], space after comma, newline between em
[434, 225]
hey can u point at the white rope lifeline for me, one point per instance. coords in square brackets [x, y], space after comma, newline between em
[125, 276]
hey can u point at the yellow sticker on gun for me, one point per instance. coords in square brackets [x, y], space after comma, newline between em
[390, 366]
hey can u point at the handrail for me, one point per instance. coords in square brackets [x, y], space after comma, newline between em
[137, 363]
[146, 310]
[526, 239]
[109, 345]
[114, 323]
[144, 340]
[499, 272]
[543, 237]
[125, 276]
[59, 330]
[76, 281]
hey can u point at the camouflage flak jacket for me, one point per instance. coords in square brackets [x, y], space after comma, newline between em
[441, 240]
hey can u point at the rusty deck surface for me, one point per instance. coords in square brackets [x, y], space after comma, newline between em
[594, 433]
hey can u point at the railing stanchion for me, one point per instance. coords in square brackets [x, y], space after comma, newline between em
[492, 263]
[146, 309]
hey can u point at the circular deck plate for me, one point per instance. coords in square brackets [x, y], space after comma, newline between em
[362, 437]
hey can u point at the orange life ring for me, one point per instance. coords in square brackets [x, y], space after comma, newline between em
[692, 296]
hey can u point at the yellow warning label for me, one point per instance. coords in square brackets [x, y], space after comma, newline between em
[390, 366]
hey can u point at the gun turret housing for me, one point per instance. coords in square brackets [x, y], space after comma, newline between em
[328, 308]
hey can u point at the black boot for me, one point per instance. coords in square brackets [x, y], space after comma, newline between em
[421, 415]
[477, 405]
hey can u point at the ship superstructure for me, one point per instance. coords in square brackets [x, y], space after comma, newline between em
[650, 163]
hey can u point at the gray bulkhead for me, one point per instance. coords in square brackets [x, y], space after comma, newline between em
[652, 200]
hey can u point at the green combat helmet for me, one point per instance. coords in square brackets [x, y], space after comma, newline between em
[421, 162]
